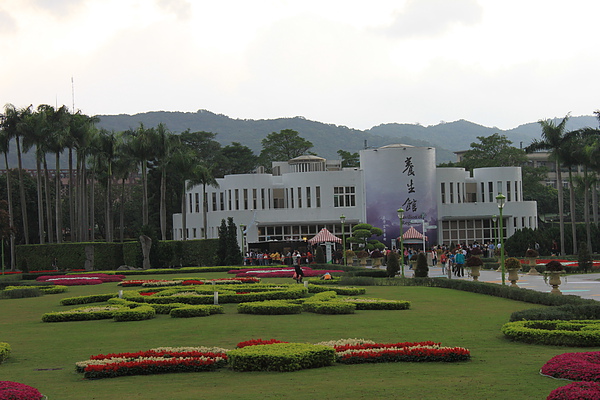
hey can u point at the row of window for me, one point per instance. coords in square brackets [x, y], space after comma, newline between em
[481, 230]
[299, 232]
[267, 198]
[462, 192]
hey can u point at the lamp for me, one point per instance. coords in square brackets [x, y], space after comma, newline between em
[500, 199]
[343, 220]
[401, 216]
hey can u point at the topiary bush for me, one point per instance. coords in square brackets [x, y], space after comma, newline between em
[281, 357]
[577, 333]
[139, 313]
[269, 307]
[4, 351]
[565, 312]
[392, 266]
[20, 293]
[196, 311]
[422, 269]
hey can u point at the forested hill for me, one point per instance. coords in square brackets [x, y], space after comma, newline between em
[329, 138]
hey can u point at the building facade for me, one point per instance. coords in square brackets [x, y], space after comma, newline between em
[301, 196]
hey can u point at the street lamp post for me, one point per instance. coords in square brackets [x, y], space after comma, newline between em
[401, 216]
[242, 228]
[343, 220]
[500, 199]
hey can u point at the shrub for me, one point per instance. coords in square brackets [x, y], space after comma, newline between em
[584, 258]
[94, 298]
[344, 291]
[378, 304]
[282, 357]
[333, 307]
[357, 281]
[134, 314]
[196, 311]
[20, 293]
[576, 390]
[392, 266]
[375, 273]
[565, 312]
[473, 262]
[269, 307]
[577, 333]
[4, 351]
[45, 289]
[512, 263]
[82, 314]
[582, 366]
[422, 269]
[554, 266]
[531, 253]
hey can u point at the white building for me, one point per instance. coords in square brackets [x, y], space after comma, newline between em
[303, 195]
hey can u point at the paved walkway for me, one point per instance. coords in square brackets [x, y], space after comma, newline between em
[586, 286]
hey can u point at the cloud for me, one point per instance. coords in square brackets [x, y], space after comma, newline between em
[426, 18]
[7, 23]
[181, 8]
[59, 8]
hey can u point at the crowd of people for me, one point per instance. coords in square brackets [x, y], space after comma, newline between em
[264, 258]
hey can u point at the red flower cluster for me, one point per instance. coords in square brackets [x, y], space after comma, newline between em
[584, 366]
[395, 352]
[277, 272]
[576, 391]
[256, 342]
[153, 362]
[147, 293]
[18, 391]
[138, 282]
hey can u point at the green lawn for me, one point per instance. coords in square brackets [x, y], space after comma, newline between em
[44, 354]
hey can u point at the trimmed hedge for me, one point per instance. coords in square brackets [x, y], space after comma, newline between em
[333, 307]
[565, 312]
[83, 314]
[378, 304]
[94, 298]
[269, 307]
[20, 293]
[281, 357]
[139, 313]
[491, 289]
[580, 333]
[46, 289]
[188, 311]
[4, 351]
[343, 291]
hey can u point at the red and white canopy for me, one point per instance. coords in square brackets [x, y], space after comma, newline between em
[324, 236]
[412, 233]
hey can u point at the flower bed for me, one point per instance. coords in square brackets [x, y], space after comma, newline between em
[257, 342]
[18, 391]
[576, 391]
[398, 352]
[278, 272]
[79, 279]
[584, 366]
[154, 361]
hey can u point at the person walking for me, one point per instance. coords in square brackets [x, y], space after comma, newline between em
[459, 261]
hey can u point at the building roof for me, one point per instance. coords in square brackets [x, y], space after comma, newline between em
[324, 236]
[412, 233]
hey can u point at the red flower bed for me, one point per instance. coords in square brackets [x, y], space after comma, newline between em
[147, 293]
[584, 366]
[576, 391]
[151, 362]
[278, 272]
[257, 342]
[396, 352]
[18, 391]
[138, 282]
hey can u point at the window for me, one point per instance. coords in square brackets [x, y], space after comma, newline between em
[214, 201]
[229, 200]
[443, 190]
[451, 192]
[222, 201]
[245, 199]
[516, 191]
[292, 197]
[254, 199]
[237, 199]
[197, 202]
[344, 196]
[299, 197]
[491, 192]
[482, 192]
[318, 195]
[190, 203]
[508, 192]
[458, 192]
[262, 199]
[308, 199]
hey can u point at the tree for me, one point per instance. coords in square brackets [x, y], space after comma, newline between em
[361, 233]
[4, 148]
[234, 255]
[237, 159]
[392, 265]
[493, 151]
[283, 146]
[422, 269]
[202, 175]
[349, 159]
[553, 136]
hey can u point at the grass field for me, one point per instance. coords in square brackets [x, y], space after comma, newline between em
[44, 354]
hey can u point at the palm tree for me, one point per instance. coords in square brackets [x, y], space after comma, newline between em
[164, 145]
[107, 153]
[124, 165]
[552, 140]
[570, 156]
[140, 144]
[183, 162]
[202, 175]
[4, 148]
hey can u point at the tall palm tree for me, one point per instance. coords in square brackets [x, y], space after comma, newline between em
[11, 123]
[107, 153]
[124, 166]
[570, 155]
[164, 145]
[552, 141]
[184, 161]
[4, 148]
[202, 175]
[140, 145]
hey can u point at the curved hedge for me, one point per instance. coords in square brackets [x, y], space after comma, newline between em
[269, 307]
[580, 333]
[46, 289]
[343, 291]
[134, 314]
[565, 312]
[282, 357]
[188, 311]
[377, 304]
[94, 298]
[83, 314]
[4, 351]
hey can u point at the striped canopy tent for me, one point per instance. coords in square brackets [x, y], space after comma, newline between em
[324, 236]
[413, 236]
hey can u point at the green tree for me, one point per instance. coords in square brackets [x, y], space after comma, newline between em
[283, 146]
[362, 233]
[4, 148]
[422, 269]
[392, 265]
[234, 255]
[553, 136]
[349, 159]
[493, 151]
[237, 159]
[222, 244]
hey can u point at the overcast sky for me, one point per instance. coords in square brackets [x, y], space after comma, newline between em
[355, 63]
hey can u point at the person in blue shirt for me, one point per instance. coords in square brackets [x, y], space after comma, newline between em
[459, 261]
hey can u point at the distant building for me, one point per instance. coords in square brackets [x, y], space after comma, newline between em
[305, 194]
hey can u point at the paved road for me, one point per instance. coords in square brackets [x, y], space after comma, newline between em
[586, 286]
